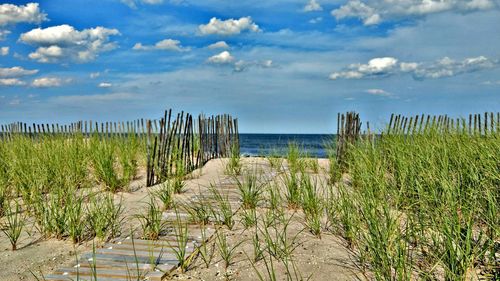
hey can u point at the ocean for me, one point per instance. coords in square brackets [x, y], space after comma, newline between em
[267, 144]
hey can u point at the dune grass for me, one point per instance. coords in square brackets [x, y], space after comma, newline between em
[51, 175]
[424, 206]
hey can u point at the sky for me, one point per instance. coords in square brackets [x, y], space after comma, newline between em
[279, 66]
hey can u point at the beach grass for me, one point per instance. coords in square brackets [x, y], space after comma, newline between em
[424, 205]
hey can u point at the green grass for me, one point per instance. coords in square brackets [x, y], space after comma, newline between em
[199, 211]
[165, 194]
[293, 157]
[234, 166]
[181, 242]
[104, 164]
[222, 212]
[424, 204]
[275, 160]
[250, 190]
[104, 216]
[312, 204]
[13, 225]
[226, 250]
[51, 175]
[292, 189]
[152, 222]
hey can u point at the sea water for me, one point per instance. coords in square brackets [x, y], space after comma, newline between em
[314, 145]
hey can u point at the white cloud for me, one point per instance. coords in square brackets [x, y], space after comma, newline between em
[16, 71]
[356, 8]
[489, 83]
[152, 2]
[11, 82]
[267, 63]
[94, 75]
[242, 65]
[133, 3]
[166, 44]
[47, 54]
[4, 51]
[105, 85]
[375, 67]
[445, 67]
[316, 20]
[219, 45]
[81, 99]
[11, 14]
[228, 27]
[373, 12]
[312, 6]
[61, 42]
[46, 82]
[408, 66]
[223, 58]
[3, 34]
[378, 92]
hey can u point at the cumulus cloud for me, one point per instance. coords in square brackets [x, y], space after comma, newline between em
[4, 51]
[47, 82]
[378, 92]
[62, 42]
[312, 6]
[16, 72]
[219, 45]
[167, 45]
[445, 67]
[223, 58]
[94, 75]
[30, 13]
[228, 27]
[105, 85]
[11, 82]
[374, 68]
[373, 12]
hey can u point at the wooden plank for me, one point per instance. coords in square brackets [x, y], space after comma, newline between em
[130, 274]
[161, 253]
[103, 258]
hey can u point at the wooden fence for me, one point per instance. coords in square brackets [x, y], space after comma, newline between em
[348, 132]
[349, 127]
[174, 144]
[482, 124]
[87, 128]
[183, 145]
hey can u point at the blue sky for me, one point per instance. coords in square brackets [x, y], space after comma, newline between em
[282, 66]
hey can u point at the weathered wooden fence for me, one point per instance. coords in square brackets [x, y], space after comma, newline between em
[482, 124]
[349, 127]
[174, 144]
[182, 145]
[87, 128]
[348, 132]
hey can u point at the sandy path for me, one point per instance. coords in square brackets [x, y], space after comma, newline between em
[322, 259]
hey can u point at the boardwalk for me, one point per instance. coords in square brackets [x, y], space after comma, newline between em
[129, 258]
